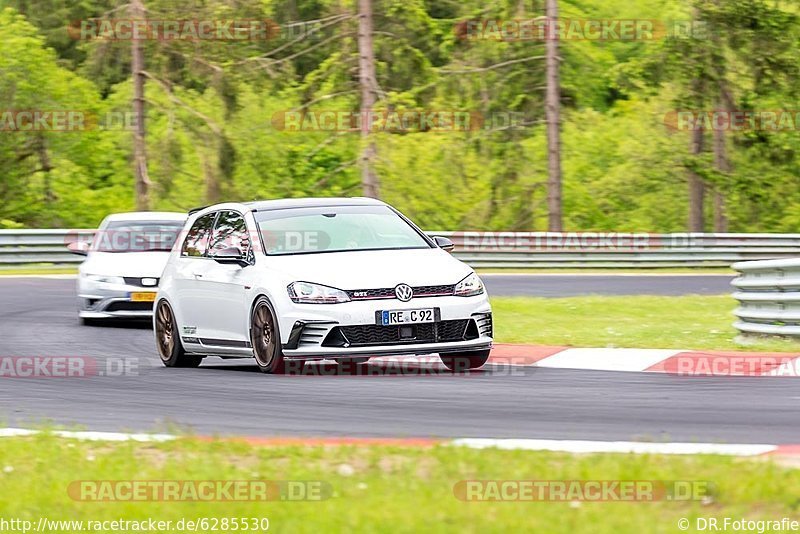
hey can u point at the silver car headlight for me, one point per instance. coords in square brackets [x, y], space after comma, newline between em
[308, 293]
[469, 286]
[105, 279]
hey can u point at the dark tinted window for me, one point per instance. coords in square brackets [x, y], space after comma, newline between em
[230, 231]
[137, 236]
[197, 239]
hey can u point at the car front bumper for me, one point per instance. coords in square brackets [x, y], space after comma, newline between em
[105, 301]
[350, 330]
[405, 349]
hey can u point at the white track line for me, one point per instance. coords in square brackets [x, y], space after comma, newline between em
[616, 446]
[570, 446]
[88, 435]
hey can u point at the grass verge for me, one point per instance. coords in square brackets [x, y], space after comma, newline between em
[39, 269]
[383, 489]
[685, 322]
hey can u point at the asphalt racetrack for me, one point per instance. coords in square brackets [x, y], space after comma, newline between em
[227, 397]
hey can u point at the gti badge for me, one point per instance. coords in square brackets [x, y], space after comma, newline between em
[404, 292]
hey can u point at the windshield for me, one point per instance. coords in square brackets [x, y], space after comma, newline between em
[336, 229]
[137, 236]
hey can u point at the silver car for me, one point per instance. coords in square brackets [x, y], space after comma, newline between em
[124, 262]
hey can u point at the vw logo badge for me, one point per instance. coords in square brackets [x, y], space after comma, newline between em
[404, 292]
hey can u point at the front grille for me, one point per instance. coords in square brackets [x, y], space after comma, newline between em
[370, 334]
[388, 292]
[136, 281]
[484, 321]
[129, 306]
[312, 334]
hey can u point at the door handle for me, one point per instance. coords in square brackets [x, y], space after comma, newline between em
[197, 275]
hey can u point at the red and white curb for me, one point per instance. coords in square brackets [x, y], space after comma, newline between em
[569, 446]
[671, 361]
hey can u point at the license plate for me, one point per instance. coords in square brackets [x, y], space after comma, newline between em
[394, 317]
[143, 296]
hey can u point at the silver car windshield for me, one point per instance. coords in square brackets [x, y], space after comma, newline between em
[137, 236]
[336, 229]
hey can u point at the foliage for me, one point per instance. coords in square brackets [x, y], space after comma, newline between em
[211, 105]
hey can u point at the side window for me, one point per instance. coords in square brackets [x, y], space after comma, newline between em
[198, 237]
[230, 231]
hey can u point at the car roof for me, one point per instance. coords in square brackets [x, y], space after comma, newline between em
[313, 202]
[286, 203]
[146, 216]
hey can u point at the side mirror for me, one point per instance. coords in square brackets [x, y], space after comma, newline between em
[444, 243]
[230, 256]
[78, 247]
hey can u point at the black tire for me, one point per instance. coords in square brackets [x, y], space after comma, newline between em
[266, 338]
[88, 322]
[168, 343]
[462, 361]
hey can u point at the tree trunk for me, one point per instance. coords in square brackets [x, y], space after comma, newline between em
[722, 164]
[142, 180]
[368, 83]
[696, 185]
[211, 178]
[552, 112]
[45, 166]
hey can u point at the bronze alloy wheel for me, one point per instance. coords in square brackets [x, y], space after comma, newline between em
[265, 338]
[169, 346]
[165, 338]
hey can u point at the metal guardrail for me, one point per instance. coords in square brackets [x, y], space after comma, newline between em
[769, 297]
[617, 249]
[506, 249]
[19, 247]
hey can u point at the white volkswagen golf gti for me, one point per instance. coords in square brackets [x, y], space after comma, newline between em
[309, 279]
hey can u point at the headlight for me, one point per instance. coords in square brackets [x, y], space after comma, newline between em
[469, 286]
[104, 279]
[308, 293]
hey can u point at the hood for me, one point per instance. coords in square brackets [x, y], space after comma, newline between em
[134, 264]
[373, 269]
